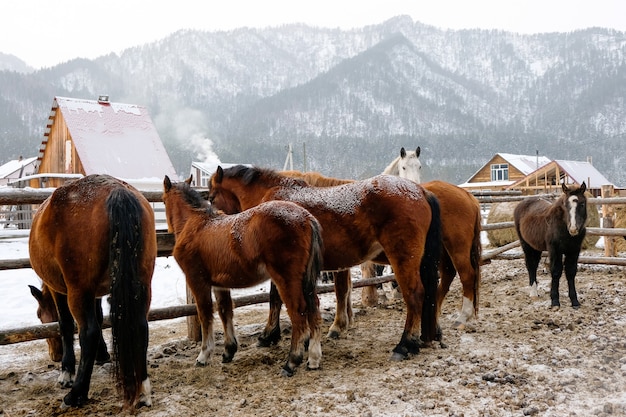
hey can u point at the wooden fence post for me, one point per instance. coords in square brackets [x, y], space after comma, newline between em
[608, 214]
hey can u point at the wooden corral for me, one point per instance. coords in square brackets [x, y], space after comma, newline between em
[166, 243]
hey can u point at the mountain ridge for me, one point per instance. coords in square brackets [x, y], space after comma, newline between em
[354, 97]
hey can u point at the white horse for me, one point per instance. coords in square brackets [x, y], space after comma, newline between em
[407, 165]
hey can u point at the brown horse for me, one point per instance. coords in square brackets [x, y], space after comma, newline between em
[461, 227]
[92, 237]
[386, 219]
[558, 228]
[47, 313]
[238, 251]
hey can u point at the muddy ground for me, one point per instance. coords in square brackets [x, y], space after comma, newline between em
[519, 358]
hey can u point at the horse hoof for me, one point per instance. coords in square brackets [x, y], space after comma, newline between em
[286, 372]
[103, 360]
[397, 357]
[144, 403]
[200, 364]
[333, 334]
[226, 358]
[458, 325]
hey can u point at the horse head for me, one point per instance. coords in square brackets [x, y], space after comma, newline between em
[221, 197]
[409, 165]
[575, 203]
[47, 313]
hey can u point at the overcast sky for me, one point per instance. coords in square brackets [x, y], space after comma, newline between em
[45, 33]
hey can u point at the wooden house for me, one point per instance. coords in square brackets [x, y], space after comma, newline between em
[16, 169]
[86, 137]
[503, 170]
[548, 178]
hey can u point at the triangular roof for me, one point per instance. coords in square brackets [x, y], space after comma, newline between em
[570, 172]
[14, 166]
[114, 138]
[523, 163]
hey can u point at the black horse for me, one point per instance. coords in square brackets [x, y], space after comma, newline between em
[558, 228]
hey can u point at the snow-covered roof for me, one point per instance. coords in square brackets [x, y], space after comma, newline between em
[525, 163]
[583, 171]
[14, 166]
[115, 138]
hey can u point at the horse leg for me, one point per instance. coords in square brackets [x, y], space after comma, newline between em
[369, 294]
[469, 276]
[314, 319]
[204, 305]
[271, 333]
[571, 265]
[225, 310]
[556, 269]
[448, 273]
[66, 326]
[305, 324]
[343, 313]
[89, 334]
[413, 292]
[102, 354]
[531, 260]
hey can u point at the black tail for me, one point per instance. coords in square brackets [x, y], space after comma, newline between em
[475, 259]
[314, 267]
[429, 270]
[129, 295]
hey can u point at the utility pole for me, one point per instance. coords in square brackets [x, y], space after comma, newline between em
[289, 159]
[304, 154]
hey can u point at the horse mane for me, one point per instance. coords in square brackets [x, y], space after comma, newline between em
[392, 168]
[251, 175]
[194, 199]
[315, 178]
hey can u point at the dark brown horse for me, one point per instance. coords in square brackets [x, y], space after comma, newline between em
[558, 228]
[277, 240]
[92, 237]
[386, 219]
[461, 227]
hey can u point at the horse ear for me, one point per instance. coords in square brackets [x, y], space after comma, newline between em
[36, 292]
[402, 152]
[564, 187]
[167, 184]
[417, 152]
[583, 187]
[188, 180]
[219, 175]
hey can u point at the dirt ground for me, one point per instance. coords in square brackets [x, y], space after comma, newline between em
[519, 358]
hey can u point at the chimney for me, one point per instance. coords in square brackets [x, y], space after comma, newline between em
[103, 99]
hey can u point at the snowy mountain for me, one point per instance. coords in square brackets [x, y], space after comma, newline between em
[353, 98]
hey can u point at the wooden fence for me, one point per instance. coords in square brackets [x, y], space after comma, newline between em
[166, 244]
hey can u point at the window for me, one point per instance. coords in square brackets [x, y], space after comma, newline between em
[204, 180]
[500, 172]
